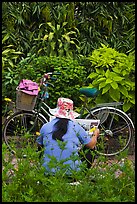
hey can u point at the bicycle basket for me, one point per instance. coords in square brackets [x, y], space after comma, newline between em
[25, 101]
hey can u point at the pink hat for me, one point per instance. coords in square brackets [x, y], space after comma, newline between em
[64, 109]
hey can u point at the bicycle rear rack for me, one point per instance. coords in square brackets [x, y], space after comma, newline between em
[110, 104]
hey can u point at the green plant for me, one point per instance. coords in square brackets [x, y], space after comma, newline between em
[72, 75]
[60, 40]
[24, 181]
[100, 22]
[9, 54]
[113, 76]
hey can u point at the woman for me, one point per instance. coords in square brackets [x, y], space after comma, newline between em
[61, 139]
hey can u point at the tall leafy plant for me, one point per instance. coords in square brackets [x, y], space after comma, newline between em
[100, 22]
[114, 76]
[61, 41]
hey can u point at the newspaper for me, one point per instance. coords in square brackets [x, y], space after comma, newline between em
[87, 124]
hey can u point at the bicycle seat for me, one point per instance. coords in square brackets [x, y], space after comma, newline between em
[89, 92]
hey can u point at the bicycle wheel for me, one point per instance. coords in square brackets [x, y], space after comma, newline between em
[116, 130]
[21, 129]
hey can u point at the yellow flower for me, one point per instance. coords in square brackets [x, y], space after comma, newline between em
[37, 133]
[38, 88]
[7, 99]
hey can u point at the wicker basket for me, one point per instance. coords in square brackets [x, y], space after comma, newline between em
[25, 101]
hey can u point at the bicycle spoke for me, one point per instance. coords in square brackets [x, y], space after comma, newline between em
[115, 130]
[20, 130]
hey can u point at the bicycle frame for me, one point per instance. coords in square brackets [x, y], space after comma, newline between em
[101, 106]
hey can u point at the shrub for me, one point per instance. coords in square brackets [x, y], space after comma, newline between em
[72, 75]
[114, 76]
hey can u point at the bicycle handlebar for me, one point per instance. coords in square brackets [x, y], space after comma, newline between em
[48, 76]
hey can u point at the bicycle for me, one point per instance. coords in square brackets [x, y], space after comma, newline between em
[116, 127]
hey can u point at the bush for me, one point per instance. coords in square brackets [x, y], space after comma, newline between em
[114, 76]
[72, 75]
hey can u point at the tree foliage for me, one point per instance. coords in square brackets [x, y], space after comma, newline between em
[26, 24]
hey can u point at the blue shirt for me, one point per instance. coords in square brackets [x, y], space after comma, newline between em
[64, 151]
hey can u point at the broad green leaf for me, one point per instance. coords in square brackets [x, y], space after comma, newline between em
[118, 78]
[16, 82]
[132, 100]
[123, 90]
[117, 70]
[124, 72]
[114, 85]
[101, 79]
[108, 81]
[107, 74]
[126, 106]
[106, 88]
[93, 75]
[114, 94]
[101, 85]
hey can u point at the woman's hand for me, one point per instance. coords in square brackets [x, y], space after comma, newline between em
[93, 142]
[96, 132]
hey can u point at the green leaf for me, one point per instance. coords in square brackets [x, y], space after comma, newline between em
[66, 37]
[101, 79]
[16, 82]
[52, 45]
[58, 27]
[124, 72]
[45, 37]
[117, 70]
[118, 78]
[72, 42]
[71, 32]
[64, 23]
[102, 85]
[51, 26]
[123, 90]
[17, 53]
[114, 94]
[106, 88]
[6, 51]
[11, 63]
[108, 81]
[114, 85]
[93, 75]
[50, 36]
[126, 106]
[107, 74]
[5, 38]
